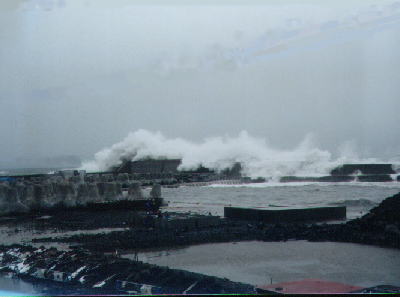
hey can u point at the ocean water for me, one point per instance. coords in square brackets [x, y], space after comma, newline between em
[358, 197]
[27, 171]
[260, 263]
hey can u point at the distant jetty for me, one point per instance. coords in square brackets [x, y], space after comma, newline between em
[168, 168]
[351, 173]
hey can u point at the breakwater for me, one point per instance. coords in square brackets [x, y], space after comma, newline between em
[167, 171]
[45, 192]
[352, 173]
[72, 188]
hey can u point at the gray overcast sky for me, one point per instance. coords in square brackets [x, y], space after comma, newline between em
[79, 75]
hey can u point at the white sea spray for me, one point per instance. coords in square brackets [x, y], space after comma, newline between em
[256, 155]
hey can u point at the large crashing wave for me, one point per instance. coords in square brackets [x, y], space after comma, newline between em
[255, 155]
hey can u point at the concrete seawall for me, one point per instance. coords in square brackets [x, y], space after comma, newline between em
[286, 215]
[26, 196]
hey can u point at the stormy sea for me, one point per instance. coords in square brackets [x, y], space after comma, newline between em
[248, 261]
[358, 197]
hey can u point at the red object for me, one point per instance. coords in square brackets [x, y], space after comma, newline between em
[310, 286]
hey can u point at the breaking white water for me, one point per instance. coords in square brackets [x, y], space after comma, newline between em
[257, 156]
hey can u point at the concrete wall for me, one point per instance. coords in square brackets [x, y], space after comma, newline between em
[27, 196]
[286, 215]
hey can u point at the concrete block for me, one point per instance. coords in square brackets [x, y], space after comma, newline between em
[82, 194]
[76, 179]
[92, 178]
[93, 192]
[65, 193]
[107, 178]
[135, 191]
[123, 177]
[108, 191]
[155, 191]
[37, 196]
[273, 216]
